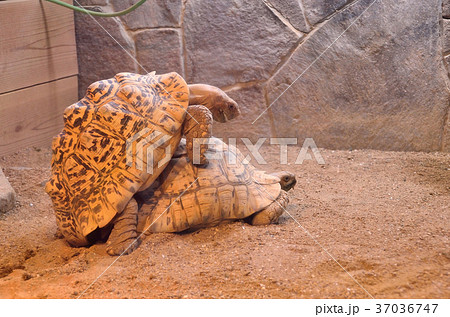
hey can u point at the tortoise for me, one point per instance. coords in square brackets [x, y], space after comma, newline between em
[93, 178]
[187, 197]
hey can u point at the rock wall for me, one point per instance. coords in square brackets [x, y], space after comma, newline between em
[348, 73]
[446, 52]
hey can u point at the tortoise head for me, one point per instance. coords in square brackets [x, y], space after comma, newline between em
[287, 180]
[222, 107]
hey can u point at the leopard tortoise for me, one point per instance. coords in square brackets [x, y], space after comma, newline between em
[92, 179]
[188, 197]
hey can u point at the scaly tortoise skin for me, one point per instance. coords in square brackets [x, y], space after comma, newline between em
[91, 183]
[188, 197]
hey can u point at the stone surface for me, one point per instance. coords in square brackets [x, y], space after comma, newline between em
[317, 10]
[447, 63]
[228, 42]
[446, 36]
[382, 85]
[7, 194]
[446, 8]
[293, 12]
[251, 101]
[151, 14]
[104, 49]
[160, 50]
[446, 135]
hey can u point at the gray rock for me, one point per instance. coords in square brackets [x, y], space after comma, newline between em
[104, 49]
[446, 36]
[292, 11]
[251, 102]
[160, 50]
[382, 85]
[317, 10]
[446, 136]
[7, 194]
[446, 8]
[233, 41]
[447, 63]
[151, 14]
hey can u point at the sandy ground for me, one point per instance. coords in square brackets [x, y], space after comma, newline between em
[383, 216]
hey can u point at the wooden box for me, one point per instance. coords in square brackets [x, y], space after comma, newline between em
[38, 72]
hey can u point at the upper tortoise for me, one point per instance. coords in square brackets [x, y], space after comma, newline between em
[92, 179]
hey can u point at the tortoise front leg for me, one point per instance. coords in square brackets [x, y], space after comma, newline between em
[272, 212]
[197, 125]
[123, 235]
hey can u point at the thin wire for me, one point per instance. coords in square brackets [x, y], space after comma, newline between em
[100, 14]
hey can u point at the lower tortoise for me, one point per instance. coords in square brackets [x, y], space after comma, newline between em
[92, 179]
[186, 197]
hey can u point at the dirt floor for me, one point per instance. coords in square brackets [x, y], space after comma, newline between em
[383, 216]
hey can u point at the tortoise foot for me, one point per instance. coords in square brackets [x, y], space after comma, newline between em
[123, 247]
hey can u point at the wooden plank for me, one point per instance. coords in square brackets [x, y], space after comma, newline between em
[37, 43]
[32, 116]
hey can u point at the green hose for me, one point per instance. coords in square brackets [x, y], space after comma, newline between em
[99, 14]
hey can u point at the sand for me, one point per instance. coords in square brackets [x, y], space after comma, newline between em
[367, 223]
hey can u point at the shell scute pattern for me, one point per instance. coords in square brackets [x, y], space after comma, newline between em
[117, 118]
[91, 181]
[77, 175]
[165, 114]
[192, 210]
[207, 201]
[186, 177]
[64, 140]
[220, 192]
[240, 201]
[99, 149]
[102, 91]
[179, 216]
[225, 194]
[76, 116]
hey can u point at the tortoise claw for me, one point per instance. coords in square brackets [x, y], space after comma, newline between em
[123, 247]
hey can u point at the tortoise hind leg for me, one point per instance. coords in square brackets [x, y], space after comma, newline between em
[123, 237]
[197, 125]
[272, 212]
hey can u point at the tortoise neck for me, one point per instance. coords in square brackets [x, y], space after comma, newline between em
[200, 94]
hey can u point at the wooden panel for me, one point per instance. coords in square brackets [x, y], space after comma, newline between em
[32, 116]
[37, 43]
